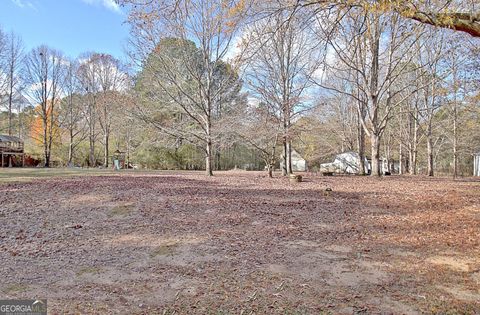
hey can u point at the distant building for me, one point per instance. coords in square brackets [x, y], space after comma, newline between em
[344, 163]
[11, 147]
[476, 164]
[298, 162]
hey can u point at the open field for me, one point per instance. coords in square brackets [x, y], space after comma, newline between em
[239, 243]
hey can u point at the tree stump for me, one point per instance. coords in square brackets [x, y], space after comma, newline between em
[295, 178]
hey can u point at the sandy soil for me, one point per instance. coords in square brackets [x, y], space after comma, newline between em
[240, 243]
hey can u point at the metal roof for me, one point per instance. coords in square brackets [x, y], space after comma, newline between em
[6, 138]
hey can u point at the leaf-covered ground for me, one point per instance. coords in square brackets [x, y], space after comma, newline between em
[240, 243]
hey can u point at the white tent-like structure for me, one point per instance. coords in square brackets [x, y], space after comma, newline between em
[476, 164]
[344, 163]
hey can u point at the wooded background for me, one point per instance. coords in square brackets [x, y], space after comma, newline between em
[217, 85]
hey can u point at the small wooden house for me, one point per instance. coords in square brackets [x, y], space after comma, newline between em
[10, 148]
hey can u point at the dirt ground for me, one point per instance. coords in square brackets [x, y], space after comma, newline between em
[240, 243]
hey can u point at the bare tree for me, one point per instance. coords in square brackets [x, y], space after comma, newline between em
[456, 61]
[112, 80]
[14, 55]
[407, 117]
[87, 75]
[431, 78]
[462, 16]
[45, 76]
[71, 114]
[187, 80]
[260, 130]
[282, 57]
[372, 54]
[413, 134]
[3, 66]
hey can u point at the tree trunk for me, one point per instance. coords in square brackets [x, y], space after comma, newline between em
[413, 153]
[20, 124]
[289, 157]
[400, 159]
[455, 153]
[208, 158]
[361, 149]
[209, 148]
[454, 144]
[284, 167]
[218, 157]
[45, 142]
[105, 149]
[47, 159]
[10, 103]
[70, 154]
[413, 163]
[429, 151]
[270, 161]
[375, 140]
[128, 149]
[92, 151]
[387, 157]
[71, 135]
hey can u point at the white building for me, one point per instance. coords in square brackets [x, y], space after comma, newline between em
[476, 164]
[298, 162]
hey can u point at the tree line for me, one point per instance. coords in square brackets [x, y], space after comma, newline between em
[57, 102]
[224, 84]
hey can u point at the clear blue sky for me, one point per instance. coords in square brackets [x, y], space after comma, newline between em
[72, 26]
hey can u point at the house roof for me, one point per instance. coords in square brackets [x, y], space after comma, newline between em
[6, 138]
